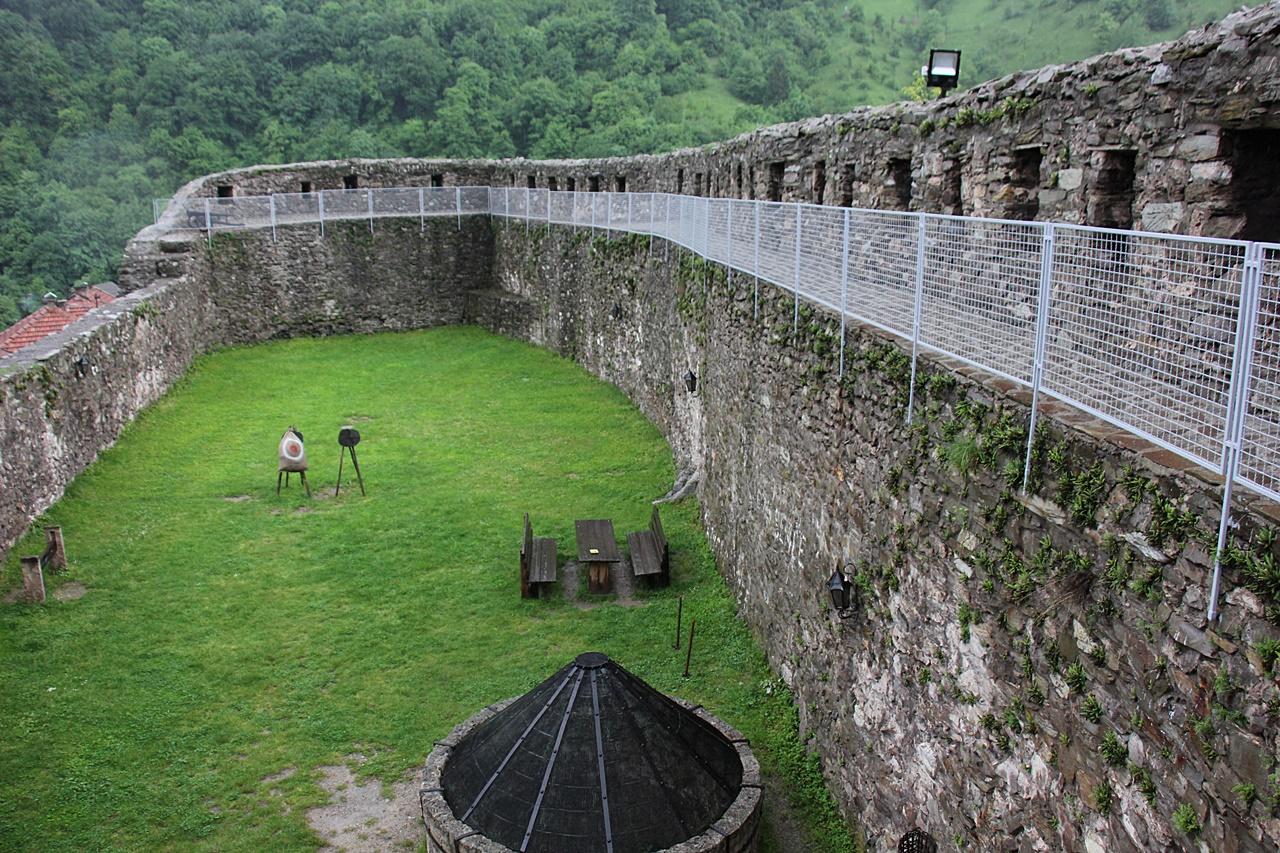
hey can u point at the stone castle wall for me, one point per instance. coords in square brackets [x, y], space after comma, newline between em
[1023, 671]
[1008, 651]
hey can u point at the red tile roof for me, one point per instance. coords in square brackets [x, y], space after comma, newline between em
[50, 318]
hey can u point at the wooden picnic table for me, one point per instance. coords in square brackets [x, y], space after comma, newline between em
[597, 548]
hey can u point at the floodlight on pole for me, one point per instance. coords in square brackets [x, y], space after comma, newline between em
[943, 70]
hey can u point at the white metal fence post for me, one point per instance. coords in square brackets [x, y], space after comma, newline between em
[756, 298]
[526, 210]
[422, 211]
[915, 321]
[273, 217]
[320, 196]
[728, 230]
[208, 222]
[629, 221]
[1237, 407]
[795, 282]
[844, 288]
[666, 249]
[1043, 297]
[369, 195]
[457, 204]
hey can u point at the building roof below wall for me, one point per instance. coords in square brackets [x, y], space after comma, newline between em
[54, 316]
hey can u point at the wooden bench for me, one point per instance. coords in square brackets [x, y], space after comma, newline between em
[650, 555]
[537, 562]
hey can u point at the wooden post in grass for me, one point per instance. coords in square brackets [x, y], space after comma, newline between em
[32, 580]
[55, 552]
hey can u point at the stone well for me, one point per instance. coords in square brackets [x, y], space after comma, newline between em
[592, 759]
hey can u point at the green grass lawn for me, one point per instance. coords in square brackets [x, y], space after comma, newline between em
[222, 641]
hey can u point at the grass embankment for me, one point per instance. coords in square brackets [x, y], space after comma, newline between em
[228, 633]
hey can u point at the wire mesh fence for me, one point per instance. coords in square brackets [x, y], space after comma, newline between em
[1174, 338]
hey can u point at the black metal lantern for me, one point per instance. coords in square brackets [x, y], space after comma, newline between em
[841, 588]
[943, 70]
[691, 382]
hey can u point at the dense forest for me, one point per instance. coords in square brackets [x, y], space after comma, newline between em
[107, 104]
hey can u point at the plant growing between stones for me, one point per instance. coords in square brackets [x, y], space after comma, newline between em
[1076, 677]
[1102, 797]
[1113, 750]
[1091, 709]
[1185, 820]
[1246, 792]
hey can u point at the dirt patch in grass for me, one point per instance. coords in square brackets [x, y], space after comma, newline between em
[70, 591]
[622, 582]
[237, 499]
[358, 818]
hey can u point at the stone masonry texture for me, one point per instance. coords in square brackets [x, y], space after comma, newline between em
[1023, 672]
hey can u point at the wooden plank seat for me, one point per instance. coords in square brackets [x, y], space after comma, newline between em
[537, 562]
[650, 554]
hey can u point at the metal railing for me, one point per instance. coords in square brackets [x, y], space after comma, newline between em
[1173, 338]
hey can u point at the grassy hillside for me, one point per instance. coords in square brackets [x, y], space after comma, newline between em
[106, 104]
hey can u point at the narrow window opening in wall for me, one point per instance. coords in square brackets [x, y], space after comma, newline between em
[593, 183]
[679, 181]
[570, 184]
[847, 177]
[1255, 182]
[900, 183]
[1111, 192]
[620, 183]
[697, 183]
[437, 180]
[819, 181]
[226, 191]
[1024, 177]
[776, 171]
[531, 182]
[552, 184]
[739, 193]
[306, 187]
[751, 182]
[350, 182]
[953, 189]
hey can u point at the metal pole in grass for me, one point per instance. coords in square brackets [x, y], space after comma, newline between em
[688, 655]
[679, 620]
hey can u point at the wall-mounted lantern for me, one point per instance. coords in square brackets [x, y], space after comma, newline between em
[840, 586]
[691, 382]
[82, 366]
[943, 70]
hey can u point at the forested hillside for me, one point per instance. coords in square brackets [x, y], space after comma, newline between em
[105, 104]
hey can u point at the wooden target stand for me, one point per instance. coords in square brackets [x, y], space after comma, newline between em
[348, 438]
[293, 459]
